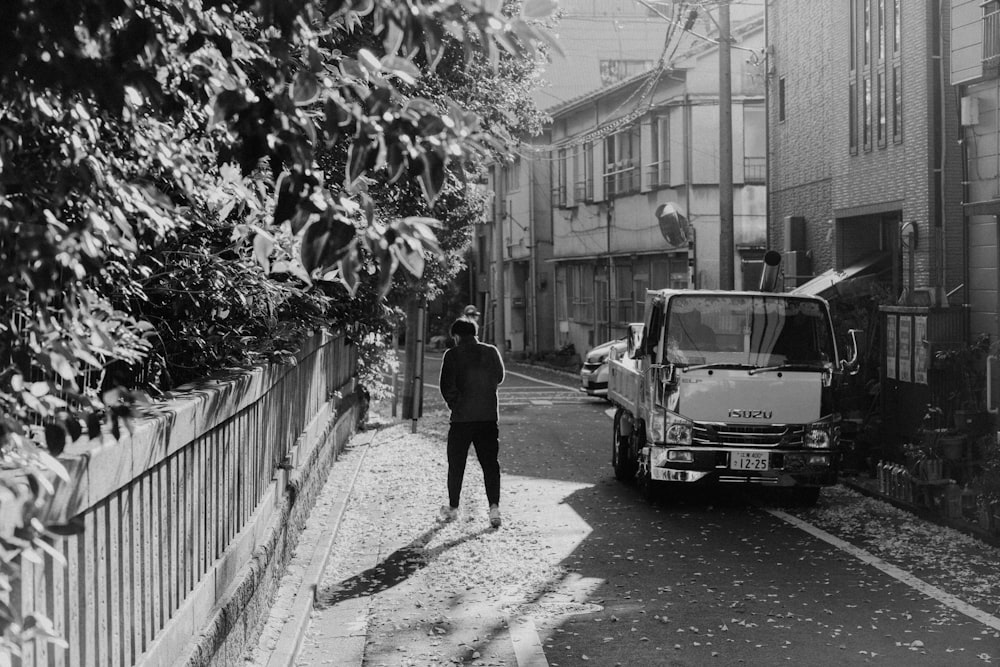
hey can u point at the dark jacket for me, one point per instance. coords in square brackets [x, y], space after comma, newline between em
[470, 373]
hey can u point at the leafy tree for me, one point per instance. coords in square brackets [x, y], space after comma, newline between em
[161, 194]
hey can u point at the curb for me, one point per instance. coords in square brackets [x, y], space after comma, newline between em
[290, 643]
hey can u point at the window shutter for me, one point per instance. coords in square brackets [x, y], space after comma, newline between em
[598, 172]
[647, 154]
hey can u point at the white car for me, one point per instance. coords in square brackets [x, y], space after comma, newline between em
[594, 374]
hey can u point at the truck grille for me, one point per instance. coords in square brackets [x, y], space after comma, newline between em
[747, 435]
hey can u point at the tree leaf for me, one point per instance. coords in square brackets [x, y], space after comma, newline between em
[324, 243]
[361, 156]
[305, 88]
[263, 244]
[432, 175]
[55, 439]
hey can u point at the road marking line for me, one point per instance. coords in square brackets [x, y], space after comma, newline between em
[899, 574]
[527, 645]
[552, 384]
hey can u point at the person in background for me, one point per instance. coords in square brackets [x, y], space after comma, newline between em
[471, 313]
[470, 374]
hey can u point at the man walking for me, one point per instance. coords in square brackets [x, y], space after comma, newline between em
[470, 374]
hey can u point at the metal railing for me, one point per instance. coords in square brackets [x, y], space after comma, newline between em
[174, 510]
[755, 170]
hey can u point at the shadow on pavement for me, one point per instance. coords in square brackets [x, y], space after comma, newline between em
[393, 570]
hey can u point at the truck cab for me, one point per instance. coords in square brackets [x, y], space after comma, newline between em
[728, 387]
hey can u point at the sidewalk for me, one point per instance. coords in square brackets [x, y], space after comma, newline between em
[377, 577]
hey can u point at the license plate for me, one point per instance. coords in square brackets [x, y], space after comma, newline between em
[749, 461]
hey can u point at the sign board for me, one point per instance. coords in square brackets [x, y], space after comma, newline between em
[920, 354]
[905, 348]
[890, 346]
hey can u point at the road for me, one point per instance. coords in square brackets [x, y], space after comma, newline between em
[723, 579]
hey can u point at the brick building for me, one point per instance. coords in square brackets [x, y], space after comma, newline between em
[863, 157]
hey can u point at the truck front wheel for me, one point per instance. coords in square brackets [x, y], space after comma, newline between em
[622, 459]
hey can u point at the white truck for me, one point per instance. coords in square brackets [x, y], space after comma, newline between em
[726, 387]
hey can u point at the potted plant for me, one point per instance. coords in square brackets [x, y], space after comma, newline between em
[986, 486]
[964, 382]
[936, 437]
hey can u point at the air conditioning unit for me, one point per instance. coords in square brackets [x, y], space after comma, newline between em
[797, 268]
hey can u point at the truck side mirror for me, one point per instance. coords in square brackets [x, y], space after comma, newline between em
[634, 339]
[852, 364]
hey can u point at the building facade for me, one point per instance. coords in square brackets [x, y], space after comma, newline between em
[635, 188]
[622, 192]
[864, 161]
[975, 72]
[611, 49]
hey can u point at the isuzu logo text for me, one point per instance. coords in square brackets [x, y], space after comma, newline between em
[750, 414]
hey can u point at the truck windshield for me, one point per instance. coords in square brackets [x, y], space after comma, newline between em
[751, 331]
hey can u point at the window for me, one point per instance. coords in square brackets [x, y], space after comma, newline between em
[580, 293]
[559, 179]
[781, 99]
[852, 36]
[895, 25]
[621, 153]
[991, 33]
[852, 116]
[623, 294]
[512, 174]
[588, 171]
[881, 29]
[613, 71]
[483, 252]
[897, 106]
[880, 108]
[579, 175]
[866, 113]
[874, 86]
[640, 283]
[867, 31]
[658, 170]
[754, 144]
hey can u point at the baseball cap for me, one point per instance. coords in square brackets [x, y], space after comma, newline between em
[471, 311]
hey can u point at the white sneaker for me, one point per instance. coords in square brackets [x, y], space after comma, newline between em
[495, 516]
[448, 513]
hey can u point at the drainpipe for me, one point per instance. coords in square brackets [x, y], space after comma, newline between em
[611, 268]
[937, 39]
[693, 243]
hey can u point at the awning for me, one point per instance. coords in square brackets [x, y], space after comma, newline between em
[830, 283]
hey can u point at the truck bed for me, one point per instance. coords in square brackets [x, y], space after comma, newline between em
[624, 381]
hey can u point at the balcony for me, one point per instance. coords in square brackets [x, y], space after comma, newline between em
[621, 178]
[755, 170]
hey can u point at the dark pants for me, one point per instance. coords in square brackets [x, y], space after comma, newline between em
[485, 436]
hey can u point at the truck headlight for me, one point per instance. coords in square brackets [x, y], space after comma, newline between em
[818, 437]
[669, 428]
[678, 434]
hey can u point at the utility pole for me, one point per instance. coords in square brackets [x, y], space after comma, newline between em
[726, 250]
[499, 319]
